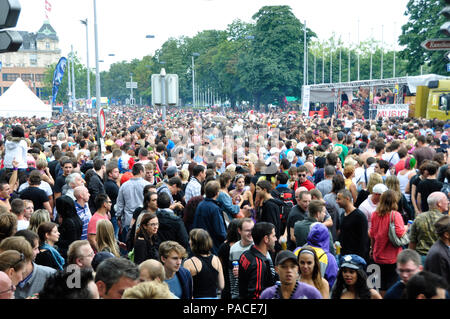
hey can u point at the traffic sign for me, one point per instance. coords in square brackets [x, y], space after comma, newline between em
[448, 67]
[102, 122]
[436, 44]
[131, 85]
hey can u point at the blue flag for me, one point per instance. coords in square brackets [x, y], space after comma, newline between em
[58, 76]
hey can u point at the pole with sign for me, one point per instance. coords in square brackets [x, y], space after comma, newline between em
[101, 122]
[164, 90]
[436, 44]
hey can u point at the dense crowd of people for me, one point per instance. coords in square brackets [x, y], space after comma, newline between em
[224, 205]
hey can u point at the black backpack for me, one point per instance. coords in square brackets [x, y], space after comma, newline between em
[286, 199]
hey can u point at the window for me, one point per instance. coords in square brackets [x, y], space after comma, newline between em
[47, 45]
[11, 77]
[27, 77]
[33, 59]
[39, 77]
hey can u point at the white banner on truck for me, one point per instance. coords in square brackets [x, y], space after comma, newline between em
[392, 110]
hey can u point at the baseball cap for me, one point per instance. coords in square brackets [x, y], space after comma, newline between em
[444, 138]
[446, 126]
[270, 169]
[285, 255]
[290, 156]
[379, 189]
[171, 171]
[353, 261]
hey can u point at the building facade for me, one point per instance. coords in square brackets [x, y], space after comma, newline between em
[38, 51]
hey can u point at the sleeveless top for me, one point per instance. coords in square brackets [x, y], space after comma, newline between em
[404, 180]
[205, 281]
[348, 182]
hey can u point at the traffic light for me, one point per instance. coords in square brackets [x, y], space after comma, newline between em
[445, 28]
[10, 41]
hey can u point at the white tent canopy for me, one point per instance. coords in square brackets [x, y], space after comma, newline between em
[20, 101]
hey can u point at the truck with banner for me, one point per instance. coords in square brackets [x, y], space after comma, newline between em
[426, 96]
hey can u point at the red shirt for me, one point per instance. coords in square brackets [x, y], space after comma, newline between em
[383, 251]
[400, 166]
[308, 184]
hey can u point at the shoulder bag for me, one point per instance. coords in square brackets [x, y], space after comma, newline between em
[395, 240]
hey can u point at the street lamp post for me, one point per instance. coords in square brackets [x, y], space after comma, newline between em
[131, 89]
[97, 78]
[97, 67]
[73, 76]
[85, 22]
[193, 78]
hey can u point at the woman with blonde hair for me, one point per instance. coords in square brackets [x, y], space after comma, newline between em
[148, 290]
[374, 179]
[38, 217]
[349, 173]
[393, 183]
[105, 237]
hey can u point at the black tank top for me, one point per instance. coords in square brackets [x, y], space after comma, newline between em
[205, 281]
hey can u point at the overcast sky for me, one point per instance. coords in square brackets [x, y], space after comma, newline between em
[123, 25]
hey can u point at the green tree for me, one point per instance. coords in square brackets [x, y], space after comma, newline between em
[272, 67]
[424, 23]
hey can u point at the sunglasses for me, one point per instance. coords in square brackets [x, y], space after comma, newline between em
[302, 175]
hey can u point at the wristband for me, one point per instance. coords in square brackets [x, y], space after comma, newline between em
[15, 168]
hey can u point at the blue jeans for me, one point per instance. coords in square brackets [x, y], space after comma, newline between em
[115, 226]
[123, 239]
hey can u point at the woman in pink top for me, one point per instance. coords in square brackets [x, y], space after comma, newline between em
[382, 251]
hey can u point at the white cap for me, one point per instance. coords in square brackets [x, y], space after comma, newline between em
[290, 156]
[379, 189]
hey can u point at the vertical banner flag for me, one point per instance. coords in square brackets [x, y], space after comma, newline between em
[58, 76]
[48, 8]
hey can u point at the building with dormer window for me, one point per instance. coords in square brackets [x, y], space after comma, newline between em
[38, 51]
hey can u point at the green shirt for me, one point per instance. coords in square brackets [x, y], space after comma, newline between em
[344, 152]
[423, 233]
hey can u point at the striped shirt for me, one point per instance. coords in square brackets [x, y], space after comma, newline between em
[85, 215]
[193, 188]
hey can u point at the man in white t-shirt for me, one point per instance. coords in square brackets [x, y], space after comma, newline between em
[18, 209]
[369, 206]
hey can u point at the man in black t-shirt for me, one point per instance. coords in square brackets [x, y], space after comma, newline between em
[35, 194]
[298, 212]
[270, 210]
[353, 235]
[60, 181]
[427, 186]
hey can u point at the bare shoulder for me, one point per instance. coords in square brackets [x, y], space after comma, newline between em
[374, 294]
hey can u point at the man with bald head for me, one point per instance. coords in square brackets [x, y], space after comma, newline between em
[298, 212]
[152, 269]
[82, 195]
[423, 234]
[6, 286]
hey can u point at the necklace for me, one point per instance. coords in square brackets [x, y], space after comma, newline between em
[278, 293]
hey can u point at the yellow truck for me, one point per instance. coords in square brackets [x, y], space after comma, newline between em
[433, 101]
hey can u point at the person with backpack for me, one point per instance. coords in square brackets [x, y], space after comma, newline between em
[270, 210]
[287, 196]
